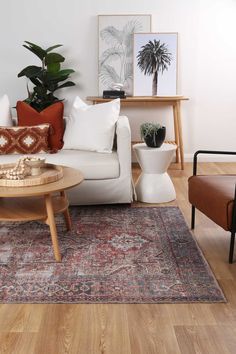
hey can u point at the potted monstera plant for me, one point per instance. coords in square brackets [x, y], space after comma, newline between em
[153, 134]
[47, 78]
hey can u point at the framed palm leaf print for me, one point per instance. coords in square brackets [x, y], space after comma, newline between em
[155, 64]
[115, 34]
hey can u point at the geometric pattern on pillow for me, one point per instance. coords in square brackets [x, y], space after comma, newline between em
[24, 140]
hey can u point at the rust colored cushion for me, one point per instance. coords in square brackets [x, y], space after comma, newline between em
[214, 195]
[28, 116]
[24, 140]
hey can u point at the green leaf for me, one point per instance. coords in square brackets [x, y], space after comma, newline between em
[52, 87]
[38, 51]
[27, 100]
[40, 90]
[55, 79]
[53, 47]
[66, 71]
[59, 76]
[53, 68]
[30, 71]
[35, 81]
[66, 84]
[46, 78]
[52, 58]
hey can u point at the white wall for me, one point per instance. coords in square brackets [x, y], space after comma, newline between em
[207, 57]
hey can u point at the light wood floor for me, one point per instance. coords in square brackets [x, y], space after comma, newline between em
[136, 329]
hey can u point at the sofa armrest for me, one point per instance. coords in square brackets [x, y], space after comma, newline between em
[123, 134]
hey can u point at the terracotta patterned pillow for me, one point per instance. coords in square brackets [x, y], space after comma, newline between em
[24, 140]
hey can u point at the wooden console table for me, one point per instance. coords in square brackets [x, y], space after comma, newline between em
[174, 101]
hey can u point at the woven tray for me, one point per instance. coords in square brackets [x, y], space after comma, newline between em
[50, 173]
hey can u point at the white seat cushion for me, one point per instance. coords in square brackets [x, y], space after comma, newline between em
[93, 165]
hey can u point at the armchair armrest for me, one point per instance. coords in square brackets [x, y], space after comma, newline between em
[195, 156]
[124, 145]
[195, 172]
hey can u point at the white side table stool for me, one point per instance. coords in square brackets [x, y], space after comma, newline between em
[154, 184]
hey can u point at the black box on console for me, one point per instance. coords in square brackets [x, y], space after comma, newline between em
[113, 94]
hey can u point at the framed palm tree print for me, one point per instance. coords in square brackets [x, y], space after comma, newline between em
[155, 64]
[115, 34]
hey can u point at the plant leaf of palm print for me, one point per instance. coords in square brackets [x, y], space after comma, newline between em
[120, 52]
[154, 57]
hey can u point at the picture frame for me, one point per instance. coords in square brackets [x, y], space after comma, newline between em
[151, 78]
[115, 49]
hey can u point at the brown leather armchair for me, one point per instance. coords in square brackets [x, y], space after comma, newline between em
[214, 196]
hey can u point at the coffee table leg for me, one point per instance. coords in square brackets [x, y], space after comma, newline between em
[66, 213]
[52, 226]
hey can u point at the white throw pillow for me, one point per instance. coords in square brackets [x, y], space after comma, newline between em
[5, 112]
[91, 127]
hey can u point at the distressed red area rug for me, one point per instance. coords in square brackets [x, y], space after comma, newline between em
[114, 254]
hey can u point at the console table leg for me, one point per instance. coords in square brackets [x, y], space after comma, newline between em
[181, 149]
[52, 226]
[176, 131]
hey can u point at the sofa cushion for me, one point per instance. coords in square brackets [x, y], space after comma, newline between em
[52, 115]
[24, 140]
[5, 112]
[93, 165]
[91, 127]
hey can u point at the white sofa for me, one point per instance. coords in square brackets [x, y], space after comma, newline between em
[107, 177]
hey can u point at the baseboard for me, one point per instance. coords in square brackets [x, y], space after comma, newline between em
[201, 158]
[211, 158]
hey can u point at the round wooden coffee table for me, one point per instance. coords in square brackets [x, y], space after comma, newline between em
[40, 203]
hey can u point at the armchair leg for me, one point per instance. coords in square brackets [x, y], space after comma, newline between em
[231, 250]
[193, 217]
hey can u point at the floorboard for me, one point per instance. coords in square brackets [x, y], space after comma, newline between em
[136, 329]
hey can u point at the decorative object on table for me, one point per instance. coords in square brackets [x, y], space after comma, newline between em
[20, 171]
[116, 49]
[154, 184]
[5, 112]
[153, 134]
[117, 86]
[155, 64]
[35, 164]
[147, 255]
[46, 78]
[22, 174]
[91, 127]
[24, 140]
[113, 94]
[15, 172]
[52, 115]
